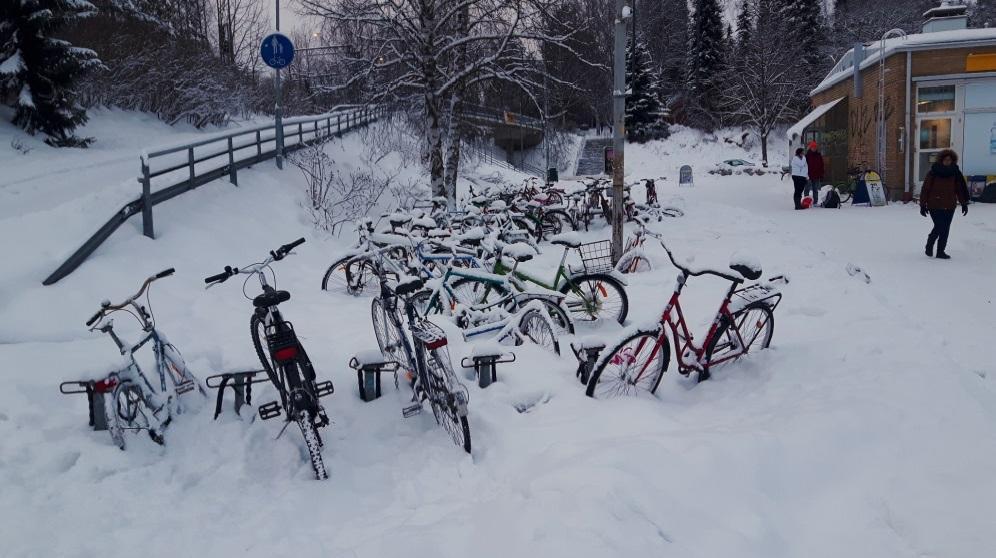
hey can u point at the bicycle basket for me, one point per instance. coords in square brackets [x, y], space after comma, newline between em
[596, 257]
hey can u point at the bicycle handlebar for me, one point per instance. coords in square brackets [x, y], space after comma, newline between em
[223, 276]
[107, 308]
[275, 255]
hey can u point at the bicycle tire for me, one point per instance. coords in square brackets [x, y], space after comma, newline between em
[587, 307]
[349, 276]
[554, 222]
[446, 413]
[634, 262]
[314, 444]
[616, 383]
[537, 329]
[472, 292]
[389, 337]
[114, 427]
[765, 323]
[120, 418]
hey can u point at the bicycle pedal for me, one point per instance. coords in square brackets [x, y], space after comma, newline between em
[324, 388]
[184, 387]
[411, 410]
[269, 410]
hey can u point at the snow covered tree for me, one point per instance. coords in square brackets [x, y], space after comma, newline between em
[705, 62]
[38, 71]
[983, 14]
[802, 21]
[644, 101]
[746, 19]
[667, 22]
[763, 86]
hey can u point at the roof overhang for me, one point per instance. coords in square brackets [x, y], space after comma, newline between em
[799, 127]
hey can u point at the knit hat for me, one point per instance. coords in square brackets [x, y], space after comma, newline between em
[812, 145]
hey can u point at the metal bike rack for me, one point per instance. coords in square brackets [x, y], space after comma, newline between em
[587, 353]
[241, 383]
[484, 366]
[95, 400]
[368, 376]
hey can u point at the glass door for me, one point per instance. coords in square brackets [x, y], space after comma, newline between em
[938, 126]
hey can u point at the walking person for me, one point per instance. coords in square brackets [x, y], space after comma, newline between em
[943, 190]
[814, 159]
[800, 176]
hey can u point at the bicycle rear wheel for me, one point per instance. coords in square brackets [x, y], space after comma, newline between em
[389, 337]
[756, 323]
[449, 407]
[536, 328]
[636, 364]
[472, 292]
[349, 276]
[595, 296]
[313, 443]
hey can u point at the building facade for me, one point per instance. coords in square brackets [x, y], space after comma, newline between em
[936, 90]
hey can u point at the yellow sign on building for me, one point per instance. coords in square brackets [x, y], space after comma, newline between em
[980, 62]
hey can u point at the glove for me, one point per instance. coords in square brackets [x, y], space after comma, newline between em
[923, 211]
[964, 210]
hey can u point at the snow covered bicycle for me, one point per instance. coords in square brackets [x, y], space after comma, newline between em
[126, 399]
[283, 356]
[744, 322]
[425, 356]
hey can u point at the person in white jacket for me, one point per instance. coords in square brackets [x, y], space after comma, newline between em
[800, 175]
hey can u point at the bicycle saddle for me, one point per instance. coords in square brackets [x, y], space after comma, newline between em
[398, 219]
[271, 298]
[749, 272]
[408, 285]
[569, 240]
[518, 251]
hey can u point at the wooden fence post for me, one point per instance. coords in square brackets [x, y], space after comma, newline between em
[300, 132]
[190, 162]
[232, 176]
[315, 139]
[259, 145]
[147, 227]
[338, 124]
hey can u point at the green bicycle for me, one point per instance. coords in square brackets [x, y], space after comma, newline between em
[592, 292]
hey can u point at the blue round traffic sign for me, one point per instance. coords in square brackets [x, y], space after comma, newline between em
[277, 50]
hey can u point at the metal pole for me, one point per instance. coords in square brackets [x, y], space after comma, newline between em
[619, 126]
[278, 111]
[147, 227]
[546, 110]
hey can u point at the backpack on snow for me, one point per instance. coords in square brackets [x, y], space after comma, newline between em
[832, 200]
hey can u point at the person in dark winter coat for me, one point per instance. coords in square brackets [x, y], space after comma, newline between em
[800, 176]
[943, 190]
[814, 160]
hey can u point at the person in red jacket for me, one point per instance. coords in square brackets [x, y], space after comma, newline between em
[814, 159]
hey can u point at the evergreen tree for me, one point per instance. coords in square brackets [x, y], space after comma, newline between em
[644, 106]
[746, 20]
[705, 62]
[38, 71]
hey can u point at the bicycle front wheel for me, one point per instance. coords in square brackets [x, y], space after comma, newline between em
[636, 364]
[595, 296]
[349, 276]
[472, 292]
[634, 261]
[536, 328]
[313, 443]
[449, 407]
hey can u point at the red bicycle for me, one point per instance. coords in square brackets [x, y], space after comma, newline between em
[745, 321]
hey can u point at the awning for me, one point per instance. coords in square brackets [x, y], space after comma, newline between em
[799, 127]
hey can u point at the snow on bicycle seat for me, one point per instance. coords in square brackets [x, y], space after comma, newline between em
[425, 223]
[518, 251]
[568, 239]
[747, 267]
[271, 298]
[398, 219]
[408, 285]
[388, 239]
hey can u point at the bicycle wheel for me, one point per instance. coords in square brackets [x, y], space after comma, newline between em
[449, 408]
[130, 411]
[114, 427]
[349, 276]
[594, 296]
[536, 328]
[313, 443]
[554, 222]
[473, 292]
[634, 261]
[756, 323]
[389, 338]
[637, 363]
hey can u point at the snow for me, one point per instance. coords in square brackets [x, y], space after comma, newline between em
[11, 65]
[368, 357]
[487, 349]
[799, 127]
[868, 428]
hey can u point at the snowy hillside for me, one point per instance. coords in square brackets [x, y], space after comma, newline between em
[868, 428]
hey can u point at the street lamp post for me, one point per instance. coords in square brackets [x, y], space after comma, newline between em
[623, 13]
[278, 110]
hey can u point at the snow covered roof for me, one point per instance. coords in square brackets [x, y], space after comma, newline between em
[920, 41]
[800, 126]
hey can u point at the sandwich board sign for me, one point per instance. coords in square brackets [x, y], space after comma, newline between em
[685, 176]
[876, 191]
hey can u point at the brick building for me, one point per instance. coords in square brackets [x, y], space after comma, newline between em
[936, 89]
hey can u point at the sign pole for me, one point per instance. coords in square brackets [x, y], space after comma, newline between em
[623, 12]
[277, 110]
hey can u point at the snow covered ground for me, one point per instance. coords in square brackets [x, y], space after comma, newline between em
[868, 429]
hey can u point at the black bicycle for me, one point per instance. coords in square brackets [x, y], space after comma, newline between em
[285, 361]
[425, 357]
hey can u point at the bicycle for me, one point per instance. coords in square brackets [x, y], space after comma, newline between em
[424, 356]
[353, 272]
[285, 361]
[125, 399]
[639, 361]
[483, 304]
[591, 292]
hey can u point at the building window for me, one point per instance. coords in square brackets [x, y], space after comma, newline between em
[935, 99]
[935, 134]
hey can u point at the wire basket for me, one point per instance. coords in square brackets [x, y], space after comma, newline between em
[596, 257]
